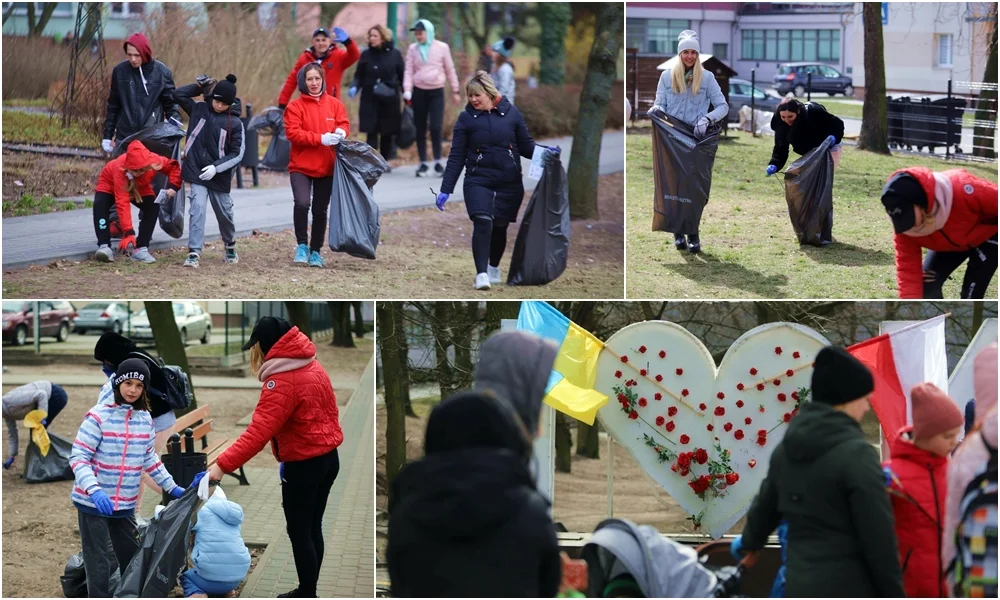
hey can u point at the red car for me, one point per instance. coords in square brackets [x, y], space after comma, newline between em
[18, 320]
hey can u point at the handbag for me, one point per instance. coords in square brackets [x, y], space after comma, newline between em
[383, 91]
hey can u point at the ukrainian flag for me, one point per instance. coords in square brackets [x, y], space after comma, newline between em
[571, 385]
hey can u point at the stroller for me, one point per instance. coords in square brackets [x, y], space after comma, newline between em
[629, 560]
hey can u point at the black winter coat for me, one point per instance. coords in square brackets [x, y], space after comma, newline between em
[212, 139]
[489, 145]
[384, 64]
[131, 107]
[825, 480]
[810, 128]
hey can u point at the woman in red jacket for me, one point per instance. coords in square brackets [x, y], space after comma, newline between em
[297, 413]
[334, 62]
[314, 122]
[128, 180]
[954, 215]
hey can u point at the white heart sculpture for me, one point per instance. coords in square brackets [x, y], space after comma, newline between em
[668, 399]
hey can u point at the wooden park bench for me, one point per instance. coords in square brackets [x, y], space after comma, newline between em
[198, 419]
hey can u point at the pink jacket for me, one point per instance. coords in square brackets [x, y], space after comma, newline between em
[430, 75]
[971, 457]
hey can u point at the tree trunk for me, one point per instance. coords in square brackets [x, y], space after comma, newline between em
[440, 325]
[594, 99]
[298, 315]
[498, 310]
[341, 313]
[463, 340]
[395, 377]
[93, 21]
[874, 119]
[169, 345]
[555, 18]
[472, 15]
[983, 139]
[564, 444]
[587, 440]
[37, 26]
[977, 317]
[9, 11]
[359, 319]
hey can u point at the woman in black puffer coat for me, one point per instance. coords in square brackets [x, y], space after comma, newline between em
[380, 116]
[489, 138]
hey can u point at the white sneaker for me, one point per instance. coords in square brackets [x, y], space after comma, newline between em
[143, 255]
[494, 273]
[482, 281]
[104, 254]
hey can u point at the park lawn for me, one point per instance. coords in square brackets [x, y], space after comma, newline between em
[850, 110]
[27, 102]
[749, 248]
[29, 128]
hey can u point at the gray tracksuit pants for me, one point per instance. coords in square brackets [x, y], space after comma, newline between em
[198, 199]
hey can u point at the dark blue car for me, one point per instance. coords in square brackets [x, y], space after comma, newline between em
[794, 77]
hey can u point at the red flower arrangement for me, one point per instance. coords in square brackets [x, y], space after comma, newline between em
[624, 358]
[720, 396]
[777, 350]
[728, 427]
[642, 402]
[739, 404]
[762, 441]
[671, 411]
[684, 392]
[739, 386]
[659, 421]
[679, 371]
[786, 417]
[642, 372]
[658, 396]
[659, 377]
[753, 370]
[663, 353]
[702, 406]
[670, 426]
[789, 373]
[684, 460]
[700, 485]
[760, 387]
[761, 433]
[738, 434]
[732, 478]
[777, 382]
[642, 349]
[796, 354]
[701, 456]
[748, 420]
[781, 397]
[618, 374]
[685, 439]
[633, 415]
[720, 411]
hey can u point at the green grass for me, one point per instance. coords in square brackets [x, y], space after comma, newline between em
[26, 128]
[750, 250]
[27, 102]
[29, 205]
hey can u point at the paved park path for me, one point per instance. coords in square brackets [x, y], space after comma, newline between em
[40, 239]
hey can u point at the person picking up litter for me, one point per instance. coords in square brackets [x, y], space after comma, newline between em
[213, 152]
[113, 447]
[220, 557]
[17, 403]
[954, 215]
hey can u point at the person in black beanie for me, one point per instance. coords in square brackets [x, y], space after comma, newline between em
[826, 482]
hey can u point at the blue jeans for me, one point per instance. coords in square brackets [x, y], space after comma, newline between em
[57, 402]
[193, 583]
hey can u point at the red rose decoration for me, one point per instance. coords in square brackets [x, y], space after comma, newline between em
[684, 392]
[748, 420]
[684, 460]
[642, 372]
[795, 396]
[720, 411]
[663, 353]
[680, 371]
[739, 434]
[777, 350]
[622, 398]
[732, 478]
[739, 386]
[659, 421]
[796, 354]
[674, 467]
[795, 412]
[760, 387]
[628, 383]
[753, 370]
[642, 402]
[781, 397]
[728, 427]
[642, 349]
[659, 377]
[761, 433]
[684, 471]
[671, 411]
[720, 396]
[658, 396]
[624, 358]
[618, 374]
[761, 409]
[702, 406]
[752, 463]
[777, 382]
[739, 404]
[789, 373]
[786, 417]
[710, 427]
[685, 439]
[762, 441]
[633, 415]
[670, 426]
[701, 456]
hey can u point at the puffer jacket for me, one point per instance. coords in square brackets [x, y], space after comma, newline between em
[690, 107]
[20, 401]
[219, 553]
[813, 125]
[432, 73]
[114, 179]
[212, 139]
[113, 447]
[297, 410]
[306, 120]
[962, 211]
[139, 97]
[918, 498]
[336, 61]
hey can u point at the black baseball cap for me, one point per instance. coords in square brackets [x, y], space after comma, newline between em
[267, 331]
[321, 31]
[898, 198]
[418, 27]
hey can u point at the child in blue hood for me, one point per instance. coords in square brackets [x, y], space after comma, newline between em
[221, 559]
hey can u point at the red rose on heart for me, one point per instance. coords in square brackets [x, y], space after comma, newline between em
[762, 441]
[618, 374]
[670, 426]
[702, 406]
[684, 459]
[760, 387]
[624, 358]
[671, 411]
[659, 421]
[739, 434]
[701, 456]
[732, 478]
[752, 463]
[795, 396]
[710, 427]
[728, 427]
[663, 353]
[748, 420]
[720, 396]
[642, 372]
[777, 382]
[642, 349]
[633, 415]
[761, 433]
[680, 371]
[786, 417]
[789, 373]
[777, 350]
[658, 396]
[760, 409]
[796, 354]
[720, 411]
[642, 402]
[684, 392]
[685, 439]
[739, 404]
[739, 386]
[659, 377]
[753, 370]
[701, 484]
[781, 397]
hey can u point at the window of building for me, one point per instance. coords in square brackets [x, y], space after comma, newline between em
[943, 43]
[635, 34]
[791, 45]
[770, 44]
[661, 35]
[720, 51]
[128, 9]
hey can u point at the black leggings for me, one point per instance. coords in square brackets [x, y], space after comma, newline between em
[982, 265]
[148, 212]
[489, 240]
[305, 191]
[428, 104]
[386, 148]
[305, 488]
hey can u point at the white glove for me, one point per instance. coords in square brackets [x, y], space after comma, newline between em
[203, 488]
[701, 127]
[329, 139]
[208, 173]
[107, 146]
[407, 96]
[340, 134]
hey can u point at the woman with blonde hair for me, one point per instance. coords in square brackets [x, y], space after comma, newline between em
[128, 180]
[685, 93]
[488, 141]
[379, 77]
[297, 413]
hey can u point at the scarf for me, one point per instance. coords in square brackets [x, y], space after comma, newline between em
[688, 77]
[425, 48]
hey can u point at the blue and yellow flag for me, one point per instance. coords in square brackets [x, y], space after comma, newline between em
[571, 384]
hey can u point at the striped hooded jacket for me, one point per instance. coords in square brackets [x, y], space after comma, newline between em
[112, 448]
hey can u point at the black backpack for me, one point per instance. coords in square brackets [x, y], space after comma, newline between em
[168, 382]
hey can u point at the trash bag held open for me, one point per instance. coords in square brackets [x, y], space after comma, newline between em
[407, 129]
[541, 249]
[54, 466]
[682, 173]
[354, 218]
[271, 121]
[809, 193]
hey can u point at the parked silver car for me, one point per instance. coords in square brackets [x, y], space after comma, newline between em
[739, 96]
[101, 316]
[192, 321]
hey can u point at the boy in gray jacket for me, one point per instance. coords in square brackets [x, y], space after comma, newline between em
[17, 403]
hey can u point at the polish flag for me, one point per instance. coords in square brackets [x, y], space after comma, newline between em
[907, 354]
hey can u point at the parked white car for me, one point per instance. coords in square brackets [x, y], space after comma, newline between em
[101, 316]
[192, 321]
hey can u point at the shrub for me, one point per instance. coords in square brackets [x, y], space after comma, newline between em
[551, 111]
[31, 64]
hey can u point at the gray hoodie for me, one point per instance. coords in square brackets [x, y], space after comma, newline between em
[18, 402]
[516, 365]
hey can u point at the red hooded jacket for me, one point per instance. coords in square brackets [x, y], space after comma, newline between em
[918, 503]
[114, 180]
[971, 221]
[336, 61]
[306, 120]
[297, 410]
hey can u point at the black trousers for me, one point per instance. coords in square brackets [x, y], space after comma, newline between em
[489, 240]
[148, 213]
[386, 148]
[428, 105]
[315, 191]
[982, 265]
[305, 489]
[96, 533]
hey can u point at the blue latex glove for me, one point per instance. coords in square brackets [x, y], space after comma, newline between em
[7, 463]
[197, 479]
[736, 547]
[352, 92]
[177, 492]
[888, 475]
[340, 36]
[103, 503]
[771, 170]
[45, 423]
[554, 149]
[831, 139]
[441, 199]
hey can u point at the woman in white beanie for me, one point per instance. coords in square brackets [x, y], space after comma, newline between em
[685, 92]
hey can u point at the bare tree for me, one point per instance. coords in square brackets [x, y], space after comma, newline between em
[169, 345]
[983, 138]
[37, 23]
[340, 312]
[298, 315]
[395, 378]
[874, 118]
[359, 319]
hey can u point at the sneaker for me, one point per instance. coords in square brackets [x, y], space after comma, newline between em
[438, 169]
[192, 260]
[315, 260]
[104, 254]
[679, 242]
[482, 281]
[494, 273]
[143, 255]
[302, 254]
[422, 171]
[694, 244]
[231, 257]
[292, 594]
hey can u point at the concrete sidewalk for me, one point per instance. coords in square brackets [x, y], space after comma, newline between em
[40, 239]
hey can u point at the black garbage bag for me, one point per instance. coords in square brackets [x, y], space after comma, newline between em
[54, 466]
[541, 249]
[271, 121]
[164, 139]
[172, 214]
[809, 193]
[407, 129]
[74, 577]
[682, 173]
[162, 553]
[354, 221]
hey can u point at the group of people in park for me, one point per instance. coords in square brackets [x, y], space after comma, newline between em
[952, 214]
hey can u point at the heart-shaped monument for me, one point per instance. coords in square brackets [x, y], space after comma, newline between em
[705, 435]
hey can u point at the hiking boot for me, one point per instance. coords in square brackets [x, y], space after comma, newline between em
[423, 170]
[679, 242]
[143, 255]
[482, 281]
[494, 274]
[694, 244]
[302, 254]
[438, 169]
[104, 254]
[315, 260]
[192, 260]
[231, 257]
